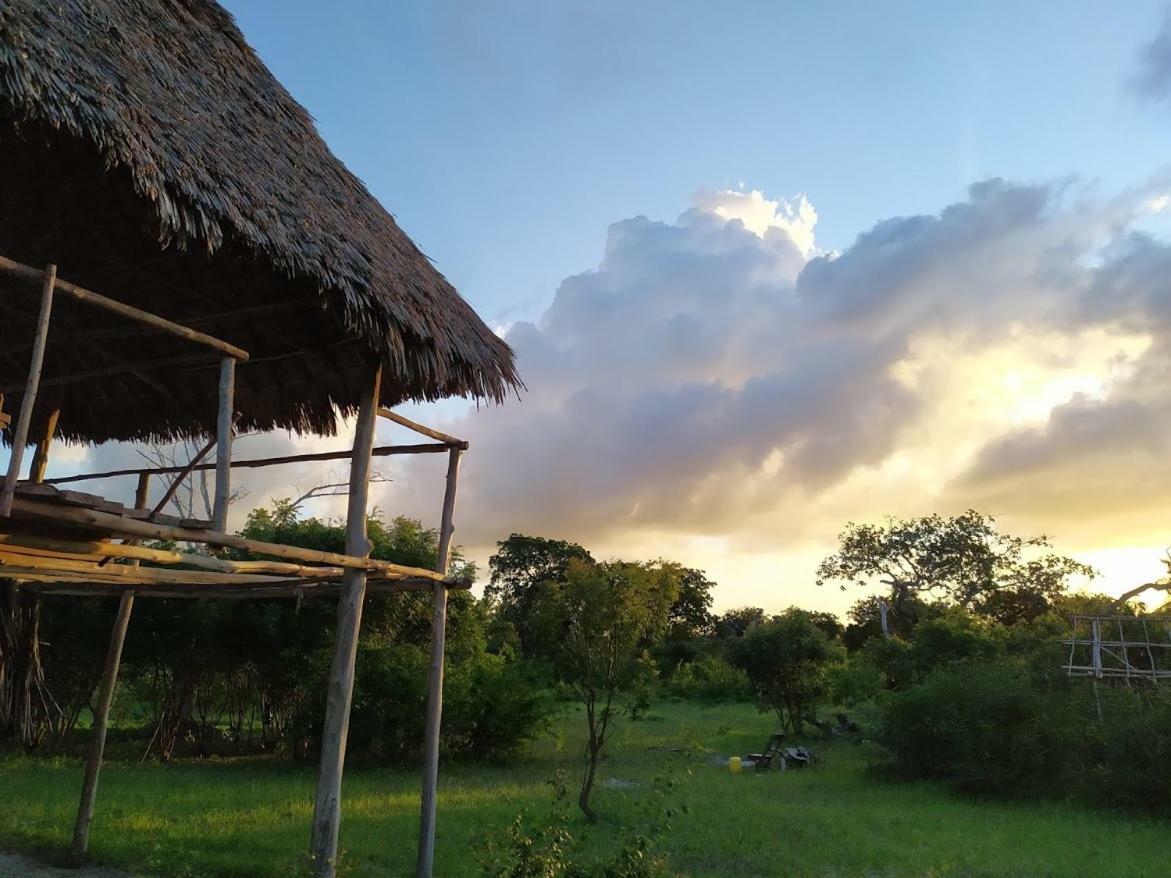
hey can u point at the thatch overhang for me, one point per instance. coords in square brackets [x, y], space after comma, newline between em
[148, 152]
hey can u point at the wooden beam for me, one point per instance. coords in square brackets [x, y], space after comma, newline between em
[419, 428]
[36, 471]
[340, 690]
[101, 710]
[381, 451]
[183, 472]
[223, 462]
[32, 384]
[425, 859]
[290, 589]
[81, 550]
[121, 526]
[81, 294]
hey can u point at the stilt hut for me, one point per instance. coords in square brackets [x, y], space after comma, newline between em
[181, 256]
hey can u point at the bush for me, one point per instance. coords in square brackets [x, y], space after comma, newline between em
[984, 727]
[710, 679]
[1007, 728]
[492, 706]
[1129, 754]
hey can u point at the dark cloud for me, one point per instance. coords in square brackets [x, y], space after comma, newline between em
[1153, 77]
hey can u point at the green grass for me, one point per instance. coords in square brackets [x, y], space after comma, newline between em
[251, 817]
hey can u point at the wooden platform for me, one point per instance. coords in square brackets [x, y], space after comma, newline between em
[69, 542]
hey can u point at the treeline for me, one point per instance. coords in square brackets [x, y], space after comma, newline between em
[951, 661]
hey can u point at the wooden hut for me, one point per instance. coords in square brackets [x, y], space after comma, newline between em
[181, 256]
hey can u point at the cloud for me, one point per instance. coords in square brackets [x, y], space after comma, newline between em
[720, 377]
[1152, 79]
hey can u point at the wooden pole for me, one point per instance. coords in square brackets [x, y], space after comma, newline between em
[20, 437]
[223, 456]
[425, 861]
[381, 451]
[36, 471]
[340, 690]
[97, 744]
[419, 428]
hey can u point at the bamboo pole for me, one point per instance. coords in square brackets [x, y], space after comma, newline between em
[290, 589]
[97, 744]
[121, 526]
[422, 430]
[425, 860]
[36, 471]
[340, 691]
[81, 294]
[223, 461]
[20, 437]
[381, 451]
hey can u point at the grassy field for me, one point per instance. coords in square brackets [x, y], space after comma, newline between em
[251, 817]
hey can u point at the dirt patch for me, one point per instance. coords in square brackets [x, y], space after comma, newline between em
[16, 866]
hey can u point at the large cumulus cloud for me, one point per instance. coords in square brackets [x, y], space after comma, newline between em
[719, 375]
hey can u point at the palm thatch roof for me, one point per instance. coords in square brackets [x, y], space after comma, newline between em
[148, 152]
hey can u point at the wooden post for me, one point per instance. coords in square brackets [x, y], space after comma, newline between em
[340, 690]
[97, 744]
[425, 861]
[20, 436]
[36, 471]
[223, 455]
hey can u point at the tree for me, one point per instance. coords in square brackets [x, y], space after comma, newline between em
[738, 622]
[689, 621]
[521, 567]
[964, 560]
[787, 660]
[691, 614]
[594, 626]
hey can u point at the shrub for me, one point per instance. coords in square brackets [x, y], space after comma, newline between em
[984, 727]
[493, 706]
[710, 679]
[1129, 757]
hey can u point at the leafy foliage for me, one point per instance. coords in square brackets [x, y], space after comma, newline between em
[963, 559]
[521, 568]
[786, 660]
[595, 627]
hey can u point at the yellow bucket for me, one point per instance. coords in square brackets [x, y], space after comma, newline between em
[734, 765]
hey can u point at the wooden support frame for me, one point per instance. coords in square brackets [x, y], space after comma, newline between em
[97, 744]
[36, 470]
[121, 526]
[32, 385]
[425, 858]
[340, 690]
[422, 430]
[223, 463]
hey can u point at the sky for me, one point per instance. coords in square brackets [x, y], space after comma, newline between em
[771, 267]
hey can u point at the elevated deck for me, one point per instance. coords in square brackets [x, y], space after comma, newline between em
[70, 542]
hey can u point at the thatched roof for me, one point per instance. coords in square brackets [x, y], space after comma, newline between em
[147, 151]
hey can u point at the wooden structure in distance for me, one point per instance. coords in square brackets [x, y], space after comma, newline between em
[1119, 647]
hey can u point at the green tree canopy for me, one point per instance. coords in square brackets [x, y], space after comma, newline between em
[964, 560]
[787, 660]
